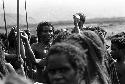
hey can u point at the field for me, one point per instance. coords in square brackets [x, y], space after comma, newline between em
[110, 27]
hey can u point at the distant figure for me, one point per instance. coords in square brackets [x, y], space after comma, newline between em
[79, 20]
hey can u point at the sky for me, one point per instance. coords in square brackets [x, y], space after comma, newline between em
[59, 10]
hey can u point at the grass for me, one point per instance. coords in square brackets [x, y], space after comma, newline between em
[111, 28]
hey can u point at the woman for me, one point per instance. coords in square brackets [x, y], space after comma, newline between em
[66, 64]
[96, 54]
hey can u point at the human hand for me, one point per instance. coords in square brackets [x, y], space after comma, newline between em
[24, 36]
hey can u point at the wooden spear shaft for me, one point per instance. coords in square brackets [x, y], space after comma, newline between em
[26, 15]
[18, 29]
[18, 37]
[4, 18]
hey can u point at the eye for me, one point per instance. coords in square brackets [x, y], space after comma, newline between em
[50, 31]
[64, 70]
[45, 31]
[51, 71]
[60, 70]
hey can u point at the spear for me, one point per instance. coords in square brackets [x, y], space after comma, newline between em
[18, 30]
[26, 15]
[5, 25]
[4, 18]
[18, 39]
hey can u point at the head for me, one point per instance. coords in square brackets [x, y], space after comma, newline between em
[91, 41]
[12, 38]
[95, 53]
[45, 32]
[80, 18]
[118, 48]
[65, 64]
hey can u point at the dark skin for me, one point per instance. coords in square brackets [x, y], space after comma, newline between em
[120, 64]
[45, 37]
[31, 57]
[46, 34]
[60, 71]
[114, 52]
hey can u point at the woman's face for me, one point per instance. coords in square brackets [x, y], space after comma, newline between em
[60, 70]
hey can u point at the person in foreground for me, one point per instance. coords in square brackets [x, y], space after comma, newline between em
[66, 64]
[95, 55]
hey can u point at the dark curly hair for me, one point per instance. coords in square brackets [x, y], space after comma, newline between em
[12, 39]
[119, 42]
[62, 35]
[82, 17]
[96, 53]
[75, 55]
[40, 26]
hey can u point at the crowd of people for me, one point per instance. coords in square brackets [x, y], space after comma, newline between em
[80, 56]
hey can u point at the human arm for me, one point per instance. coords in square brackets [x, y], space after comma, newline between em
[28, 51]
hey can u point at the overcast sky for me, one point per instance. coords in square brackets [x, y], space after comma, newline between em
[56, 10]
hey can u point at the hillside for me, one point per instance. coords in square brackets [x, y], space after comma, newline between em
[107, 23]
[95, 20]
[106, 20]
[11, 19]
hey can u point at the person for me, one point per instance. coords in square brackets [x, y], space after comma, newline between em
[66, 64]
[118, 54]
[16, 79]
[79, 20]
[45, 33]
[11, 54]
[96, 53]
[36, 53]
[5, 68]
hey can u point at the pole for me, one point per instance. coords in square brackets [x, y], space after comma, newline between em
[26, 15]
[4, 18]
[5, 25]
[18, 30]
[18, 38]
